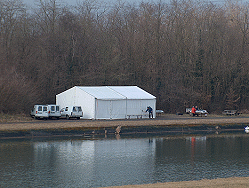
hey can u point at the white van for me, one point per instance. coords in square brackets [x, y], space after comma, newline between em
[40, 112]
[71, 112]
[54, 111]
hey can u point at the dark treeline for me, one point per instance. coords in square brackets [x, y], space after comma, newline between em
[183, 52]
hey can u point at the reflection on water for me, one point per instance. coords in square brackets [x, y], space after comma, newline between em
[110, 161]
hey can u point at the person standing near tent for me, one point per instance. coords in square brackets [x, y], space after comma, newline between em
[193, 110]
[149, 109]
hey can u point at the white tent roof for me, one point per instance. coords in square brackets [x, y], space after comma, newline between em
[102, 92]
[132, 92]
[116, 92]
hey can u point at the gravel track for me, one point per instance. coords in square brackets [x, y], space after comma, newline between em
[167, 120]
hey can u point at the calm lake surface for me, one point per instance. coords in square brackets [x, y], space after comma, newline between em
[122, 160]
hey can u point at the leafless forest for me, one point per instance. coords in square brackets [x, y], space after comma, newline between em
[183, 52]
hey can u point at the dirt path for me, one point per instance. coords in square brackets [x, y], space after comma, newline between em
[169, 120]
[241, 182]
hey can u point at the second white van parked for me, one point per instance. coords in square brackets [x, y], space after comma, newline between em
[71, 112]
[54, 111]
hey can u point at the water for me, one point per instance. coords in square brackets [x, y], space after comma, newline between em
[112, 161]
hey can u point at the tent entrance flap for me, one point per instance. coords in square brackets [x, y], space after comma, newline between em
[110, 109]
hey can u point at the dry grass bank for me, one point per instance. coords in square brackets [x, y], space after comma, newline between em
[241, 182]
[26, 123]
[7, 118]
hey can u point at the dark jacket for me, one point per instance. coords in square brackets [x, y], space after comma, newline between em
[149, 109]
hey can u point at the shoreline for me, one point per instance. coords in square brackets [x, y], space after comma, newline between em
[233, 182]
[162, 124]
[166, 120]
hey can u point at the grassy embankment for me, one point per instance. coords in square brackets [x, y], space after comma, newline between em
[233, 182]
[8, 118]
[24, 122]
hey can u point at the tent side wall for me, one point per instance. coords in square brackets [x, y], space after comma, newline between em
[139, 106]
[87, 102]
[110, 109]
[75, 96]
[66, 98]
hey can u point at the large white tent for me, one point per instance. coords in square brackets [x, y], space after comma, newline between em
[108, 102]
